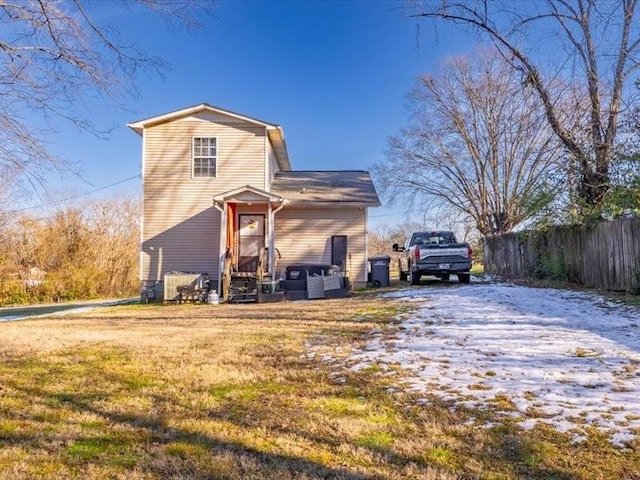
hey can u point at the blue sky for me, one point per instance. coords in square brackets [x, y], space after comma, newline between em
[334, 74]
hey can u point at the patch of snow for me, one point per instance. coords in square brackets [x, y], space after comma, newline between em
[622, 439]
[559, 357]
[66, 312]
[578, 439]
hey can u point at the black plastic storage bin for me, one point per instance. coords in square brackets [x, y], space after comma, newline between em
[300, 271]
[379, 275]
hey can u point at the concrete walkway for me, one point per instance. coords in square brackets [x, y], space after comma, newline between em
[9, 314]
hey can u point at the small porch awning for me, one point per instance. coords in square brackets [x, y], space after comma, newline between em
[227, 203]
[248, 194]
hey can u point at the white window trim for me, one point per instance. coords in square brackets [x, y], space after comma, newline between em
[193, 156]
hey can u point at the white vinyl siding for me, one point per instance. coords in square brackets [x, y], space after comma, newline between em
[204, 152]
[303, 235]
[181, 225]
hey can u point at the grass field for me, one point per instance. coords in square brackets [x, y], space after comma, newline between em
[229, 391]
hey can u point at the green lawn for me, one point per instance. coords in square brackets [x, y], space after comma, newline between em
[229, 391]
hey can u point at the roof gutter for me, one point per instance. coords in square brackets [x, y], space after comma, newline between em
[324, 204]
[276, 136]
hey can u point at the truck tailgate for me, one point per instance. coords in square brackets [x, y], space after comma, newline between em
[444, 254]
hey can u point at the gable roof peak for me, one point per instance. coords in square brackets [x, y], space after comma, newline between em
[139, 125]
[274, 131]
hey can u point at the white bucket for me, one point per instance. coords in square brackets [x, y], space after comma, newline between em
[213, 297]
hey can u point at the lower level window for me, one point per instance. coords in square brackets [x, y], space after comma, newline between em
[205, 154]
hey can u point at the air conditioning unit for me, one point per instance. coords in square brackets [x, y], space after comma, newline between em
[173, 280]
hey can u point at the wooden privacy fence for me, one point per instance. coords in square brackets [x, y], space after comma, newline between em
[604, 256]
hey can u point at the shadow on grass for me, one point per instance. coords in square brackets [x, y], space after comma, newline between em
[114, 448]
[205, 456]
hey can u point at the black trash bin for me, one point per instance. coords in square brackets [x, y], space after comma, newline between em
[380, 270]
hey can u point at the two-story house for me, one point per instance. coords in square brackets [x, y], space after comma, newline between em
[219, 185]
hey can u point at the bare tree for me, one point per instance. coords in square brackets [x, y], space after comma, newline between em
[477, 143]
[444, 217]
[594, 43]
[381, 237]
[53, 55]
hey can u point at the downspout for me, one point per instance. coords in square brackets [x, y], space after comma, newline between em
[279, 208]
[366, 242]
[223, 241]
[272, 242]
[141, 244]
[267, 169]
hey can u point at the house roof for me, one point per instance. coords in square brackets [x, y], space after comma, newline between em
[274, 131]
[342, 187]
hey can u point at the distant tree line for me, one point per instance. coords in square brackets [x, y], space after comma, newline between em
[78, 252]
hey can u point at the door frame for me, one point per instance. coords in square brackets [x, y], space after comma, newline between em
[262, 235]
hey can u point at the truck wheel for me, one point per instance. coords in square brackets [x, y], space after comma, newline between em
[403, 275]
[414, 278]
[445, 277]
[464, 277]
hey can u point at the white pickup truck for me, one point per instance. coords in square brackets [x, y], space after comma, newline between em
[434, 253]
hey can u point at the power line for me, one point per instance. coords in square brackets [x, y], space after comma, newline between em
[48, 204]
[386, 215]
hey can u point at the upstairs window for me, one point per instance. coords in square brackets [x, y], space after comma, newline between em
[205, 153]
